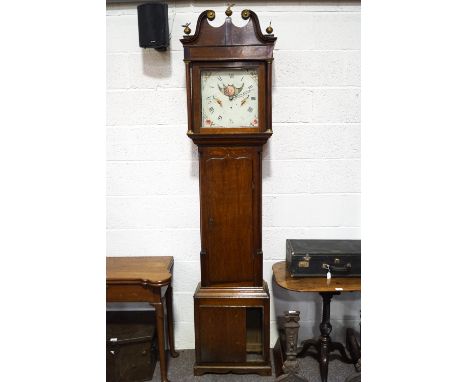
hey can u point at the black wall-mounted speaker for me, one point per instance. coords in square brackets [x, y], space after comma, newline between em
[153, 26]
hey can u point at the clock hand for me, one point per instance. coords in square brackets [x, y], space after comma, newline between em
[244, 100]
[242, 94]
[219, 101]
[238, 90]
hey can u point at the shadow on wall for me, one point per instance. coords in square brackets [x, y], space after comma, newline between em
[159, 66]
[266, 164]
[156, 64]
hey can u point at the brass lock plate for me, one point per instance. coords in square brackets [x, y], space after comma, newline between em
[304, 263]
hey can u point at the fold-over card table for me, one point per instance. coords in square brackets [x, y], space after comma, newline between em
[145, 279]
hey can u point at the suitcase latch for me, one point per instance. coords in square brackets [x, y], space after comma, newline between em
[304, 263]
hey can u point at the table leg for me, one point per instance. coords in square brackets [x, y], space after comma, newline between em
[159, 310]
[170, 322]
[324, 346]
[305, 348]
[325, 330]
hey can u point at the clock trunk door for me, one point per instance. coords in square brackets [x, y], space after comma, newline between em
[229, 217]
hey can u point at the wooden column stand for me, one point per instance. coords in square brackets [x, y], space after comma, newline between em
[291, 364]
[228, 80]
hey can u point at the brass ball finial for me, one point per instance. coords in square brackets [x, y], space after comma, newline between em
[211, 15]
[269, 29]
[229, 10]
[187, 30]
[245, 14]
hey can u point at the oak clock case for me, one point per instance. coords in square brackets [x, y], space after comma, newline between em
[228, 80]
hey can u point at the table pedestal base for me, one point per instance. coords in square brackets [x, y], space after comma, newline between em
[324, 345]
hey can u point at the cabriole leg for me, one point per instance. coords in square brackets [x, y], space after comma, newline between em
[159, 310]
[170, 322]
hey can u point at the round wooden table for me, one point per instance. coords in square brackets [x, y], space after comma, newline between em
[327, 288]
[314, 284]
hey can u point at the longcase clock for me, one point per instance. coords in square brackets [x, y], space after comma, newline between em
[228, 79]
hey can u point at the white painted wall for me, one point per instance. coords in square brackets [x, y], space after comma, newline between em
[311, 167]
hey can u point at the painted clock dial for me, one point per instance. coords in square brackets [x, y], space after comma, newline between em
[229, 98]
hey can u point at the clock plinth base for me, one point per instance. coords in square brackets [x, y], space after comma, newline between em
[232, 330]
[234, 369]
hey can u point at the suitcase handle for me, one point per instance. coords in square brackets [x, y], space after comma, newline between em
[334, 268]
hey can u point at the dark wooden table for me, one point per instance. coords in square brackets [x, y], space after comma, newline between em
[145, 279]
[327, 289]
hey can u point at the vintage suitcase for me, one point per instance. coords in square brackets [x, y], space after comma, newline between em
[314, 258]
[130, 345]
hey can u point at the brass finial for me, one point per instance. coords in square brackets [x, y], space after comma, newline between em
[245, 14]
[269, 29]
[229, 10]
[211, 15]
[187, 30]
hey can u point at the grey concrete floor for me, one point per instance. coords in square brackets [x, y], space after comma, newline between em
[181, 370]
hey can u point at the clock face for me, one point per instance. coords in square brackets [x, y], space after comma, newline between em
[229, 98]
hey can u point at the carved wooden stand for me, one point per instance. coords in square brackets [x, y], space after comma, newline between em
[324, 346]
[290, 365]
